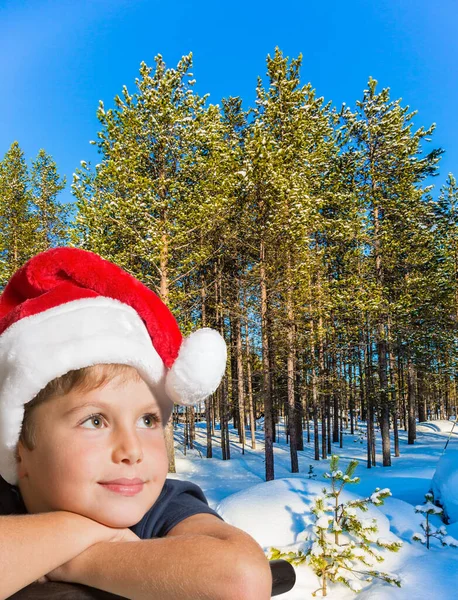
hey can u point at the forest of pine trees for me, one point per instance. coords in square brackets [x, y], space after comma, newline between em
[304, 233]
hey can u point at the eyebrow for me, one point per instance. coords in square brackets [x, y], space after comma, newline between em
[151, 406]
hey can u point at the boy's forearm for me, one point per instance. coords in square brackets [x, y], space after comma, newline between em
[174, 568]
[34, 544]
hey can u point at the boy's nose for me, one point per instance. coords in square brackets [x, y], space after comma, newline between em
[127, 446]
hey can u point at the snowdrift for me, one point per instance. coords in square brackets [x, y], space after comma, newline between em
[438, 426]
[445, 482]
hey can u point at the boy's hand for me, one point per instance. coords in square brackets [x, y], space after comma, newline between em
[69, 571]
[124, 535]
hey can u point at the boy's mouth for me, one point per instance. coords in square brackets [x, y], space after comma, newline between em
[123, 488]
[123, 481]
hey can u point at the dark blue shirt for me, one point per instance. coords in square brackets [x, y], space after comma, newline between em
[178, 500]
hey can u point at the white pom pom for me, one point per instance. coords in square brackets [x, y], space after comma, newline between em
[198, 368]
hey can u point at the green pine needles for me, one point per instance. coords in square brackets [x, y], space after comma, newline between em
[341, 543]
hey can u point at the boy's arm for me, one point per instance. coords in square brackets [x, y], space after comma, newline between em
[201, 558]
[34, 544]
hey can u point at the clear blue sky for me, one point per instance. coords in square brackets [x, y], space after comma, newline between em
[58, 58]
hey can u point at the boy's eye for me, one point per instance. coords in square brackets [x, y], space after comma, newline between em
[153, 419]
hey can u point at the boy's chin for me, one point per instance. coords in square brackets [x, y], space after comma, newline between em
[121, 520]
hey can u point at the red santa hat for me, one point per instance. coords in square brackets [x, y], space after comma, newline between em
[68, 308]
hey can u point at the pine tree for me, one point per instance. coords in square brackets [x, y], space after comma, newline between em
[428, 508]
[17, 226]
[51, 217]
[340, 541]
[445, 210]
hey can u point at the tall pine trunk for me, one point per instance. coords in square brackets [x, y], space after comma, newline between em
[384, 401]
[422, 397]
[164, 292]
[324, 386]
[381, 347]
[268, 423]
[239, 363]
[316, 440]
[222, 390]
[208, 419]
[291, 368]
[411, 402]
[250, 388]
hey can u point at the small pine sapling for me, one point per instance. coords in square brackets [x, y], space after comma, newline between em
[311, 474]
[428, 508]
[340, 541]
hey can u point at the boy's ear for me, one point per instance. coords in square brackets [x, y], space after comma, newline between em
[19, 460]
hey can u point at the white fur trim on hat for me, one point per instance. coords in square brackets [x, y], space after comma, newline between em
[77, 334]
[198, 369]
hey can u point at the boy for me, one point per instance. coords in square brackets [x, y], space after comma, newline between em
[91, 362]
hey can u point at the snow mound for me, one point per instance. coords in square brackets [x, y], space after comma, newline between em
[276, 512]
[425, 575]
[445, 483]
[438, 426]
[404, 521]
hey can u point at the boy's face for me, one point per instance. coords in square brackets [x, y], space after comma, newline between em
[74, 453]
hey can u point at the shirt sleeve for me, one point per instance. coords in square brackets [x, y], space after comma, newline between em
[177, 501]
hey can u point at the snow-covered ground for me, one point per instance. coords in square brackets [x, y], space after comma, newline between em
[276, 512]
